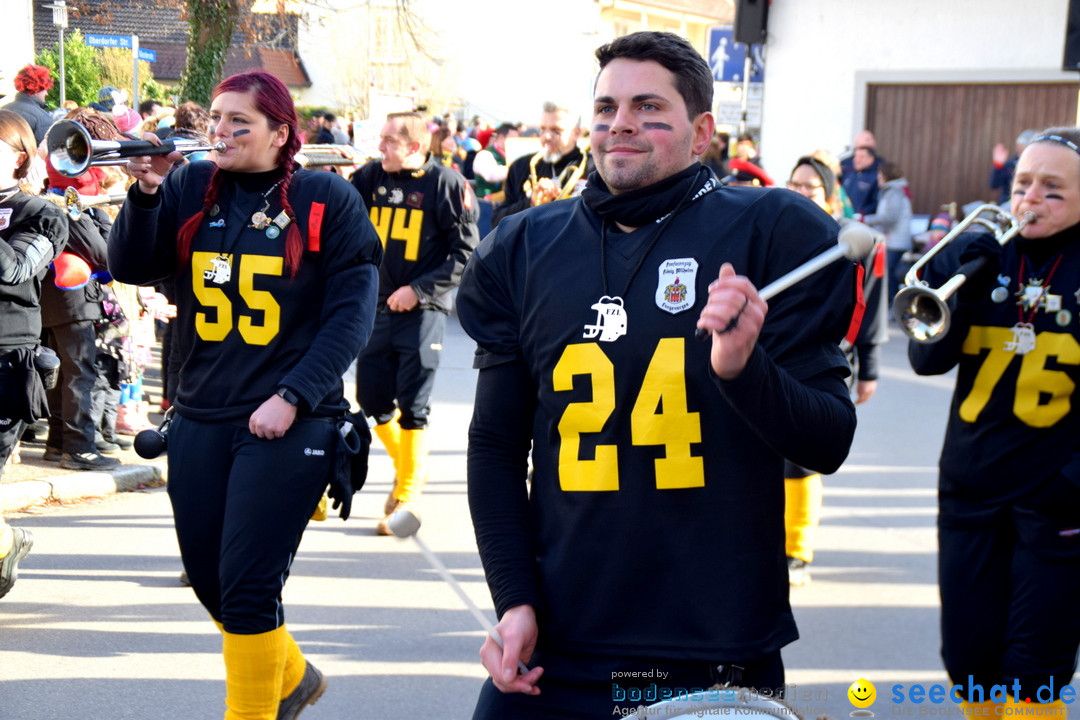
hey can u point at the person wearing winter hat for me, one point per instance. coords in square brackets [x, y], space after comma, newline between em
[33, 83]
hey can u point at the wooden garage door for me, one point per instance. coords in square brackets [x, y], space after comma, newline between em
[942, 135]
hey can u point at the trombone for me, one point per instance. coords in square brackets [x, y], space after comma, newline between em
[72, 151]
[923, 312]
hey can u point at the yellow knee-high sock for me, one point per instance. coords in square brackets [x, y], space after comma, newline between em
[320, 510]
[254, 665]
[802, 512]
[413, 471]
[294, 667]
[389, 434]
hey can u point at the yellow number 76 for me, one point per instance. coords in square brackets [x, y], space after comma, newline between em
[1034, 382]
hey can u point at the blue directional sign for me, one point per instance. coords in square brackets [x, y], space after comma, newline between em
[119, 41]
[728, 58]
[109, 41]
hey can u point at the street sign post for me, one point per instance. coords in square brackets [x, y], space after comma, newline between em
[125, 42]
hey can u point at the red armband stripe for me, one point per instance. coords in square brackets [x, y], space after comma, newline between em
[314, 226]
[860, 306]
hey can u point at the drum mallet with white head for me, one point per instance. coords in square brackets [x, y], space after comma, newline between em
[405, 524]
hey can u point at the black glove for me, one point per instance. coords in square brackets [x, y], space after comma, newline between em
[980, 261]
[351, 462]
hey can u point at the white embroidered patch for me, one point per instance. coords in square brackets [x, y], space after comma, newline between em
[675, 287]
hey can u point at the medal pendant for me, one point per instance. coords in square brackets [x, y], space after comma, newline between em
[282, 220]
[999, 294]
[610, 320]
[273, 231]
[1023, 340]
[259, 220]
[220, 271]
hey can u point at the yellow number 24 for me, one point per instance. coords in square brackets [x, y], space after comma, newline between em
[659, 417]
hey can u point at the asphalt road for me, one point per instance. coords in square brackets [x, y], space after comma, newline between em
[99, 627]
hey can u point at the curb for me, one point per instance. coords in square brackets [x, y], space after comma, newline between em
[19, 495]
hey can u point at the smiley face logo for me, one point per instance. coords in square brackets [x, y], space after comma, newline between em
[862, 693]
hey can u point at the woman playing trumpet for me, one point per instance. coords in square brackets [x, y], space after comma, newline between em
[274, 270]
[1009, 484]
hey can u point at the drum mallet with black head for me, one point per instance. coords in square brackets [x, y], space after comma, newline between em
[405, 524]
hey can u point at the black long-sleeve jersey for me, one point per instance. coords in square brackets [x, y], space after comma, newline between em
[655, 522]
[244, 327]
[426, 219]
[33, 232]
[517, 199]
[1014, 420]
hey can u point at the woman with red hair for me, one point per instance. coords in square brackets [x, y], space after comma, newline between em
[275, 276]
[33, 83]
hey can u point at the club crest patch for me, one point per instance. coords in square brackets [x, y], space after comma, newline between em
[5, 217]
[675, 287]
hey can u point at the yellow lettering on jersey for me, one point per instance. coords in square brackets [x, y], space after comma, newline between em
[215, 322]
[407, 226]
[380, 218]
[575, 474]
[660, 417]
[215, 326]
[398, 223]
[1034, 381]
[259, 300]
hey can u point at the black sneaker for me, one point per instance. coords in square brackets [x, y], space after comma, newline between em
[9, 564]
[52, 454]
[308, 692]
[87, 461]
[107, 448]
[798, 571]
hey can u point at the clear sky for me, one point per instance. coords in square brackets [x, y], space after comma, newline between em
[512, 55]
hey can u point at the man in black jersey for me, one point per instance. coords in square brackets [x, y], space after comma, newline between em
[557, 171]
[426, 216]
[648, 553]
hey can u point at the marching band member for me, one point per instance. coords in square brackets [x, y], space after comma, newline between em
[815, 177]
[557, 171]
[1009, 483]
[275, 274]
[658, 460]
[426, 215]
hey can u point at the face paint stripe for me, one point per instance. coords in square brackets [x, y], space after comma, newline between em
[657, 126]
[238, 133]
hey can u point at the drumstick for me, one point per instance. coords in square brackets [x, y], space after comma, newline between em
[403, 524]
[854, 243]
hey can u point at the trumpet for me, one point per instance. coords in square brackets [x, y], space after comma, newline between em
[923, 312]
[74, 203]
[72, 151]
